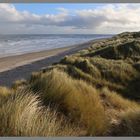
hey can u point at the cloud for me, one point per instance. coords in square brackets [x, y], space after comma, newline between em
[111, 18]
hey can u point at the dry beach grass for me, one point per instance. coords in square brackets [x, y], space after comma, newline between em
[91, 92]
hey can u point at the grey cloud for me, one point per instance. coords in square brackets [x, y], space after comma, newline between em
[97, 20]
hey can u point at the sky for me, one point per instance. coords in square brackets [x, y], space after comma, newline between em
[37, 18]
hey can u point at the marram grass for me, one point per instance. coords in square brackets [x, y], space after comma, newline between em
[94, 92]
[22, 115]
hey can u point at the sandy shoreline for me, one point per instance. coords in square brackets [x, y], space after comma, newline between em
[18, 67]
[10, 62]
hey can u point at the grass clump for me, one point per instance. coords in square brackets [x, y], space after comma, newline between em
[83, 64]
[129, 124]
[76, 99]
[22, 115]
[115, 71]
[77, 73]
[123, 114]
[116, 101]
[4, 91]
[19, 84]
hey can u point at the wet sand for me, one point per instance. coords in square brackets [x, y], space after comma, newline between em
[18, 67]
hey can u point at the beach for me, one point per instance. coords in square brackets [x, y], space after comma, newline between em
[7, 63]
[18, 67]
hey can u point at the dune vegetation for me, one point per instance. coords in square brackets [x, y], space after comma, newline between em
[94, 92]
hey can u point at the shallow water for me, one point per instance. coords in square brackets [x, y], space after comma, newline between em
[21, 44]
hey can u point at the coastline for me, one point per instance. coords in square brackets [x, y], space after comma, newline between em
[21, 66]
[11, 62]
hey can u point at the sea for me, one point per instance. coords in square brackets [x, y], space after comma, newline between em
[11, 45]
